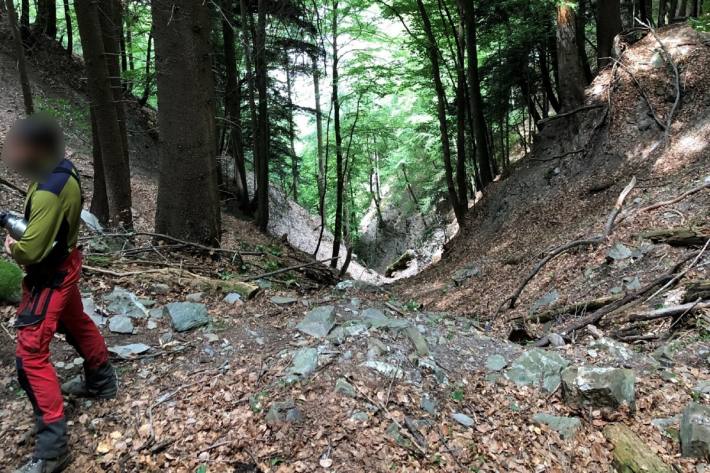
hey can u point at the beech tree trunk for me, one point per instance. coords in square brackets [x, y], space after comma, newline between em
[46, 22]
[20, 53]
[188, 202]
[263, 136]
[571, 72]
[99, 199]
[70, 31]
[232, 103]
[339, 165]
[108, 128]
[608, 26]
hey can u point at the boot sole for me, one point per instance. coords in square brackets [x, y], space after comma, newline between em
[64, 464]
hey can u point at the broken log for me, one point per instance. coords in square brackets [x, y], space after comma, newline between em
[677, 236]
[672, 311]
[576, 308]
[631, 454]
[400, 263]
[697, 290]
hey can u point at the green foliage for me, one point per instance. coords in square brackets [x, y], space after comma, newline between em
[701, 24]
[10, 282]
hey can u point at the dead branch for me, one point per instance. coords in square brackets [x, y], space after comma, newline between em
[642, 91]
[672, 311]
[571, 112]
[676, 76]
[590, 241]
[675, 200]
[680, 275]
[12, 186]
[289, 268]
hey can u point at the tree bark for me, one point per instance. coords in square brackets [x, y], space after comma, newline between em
[474, 94]
[46, 21]
[320, 178]
[115, 166]
[263, 133]
[21, 62]
[148, 76]
[608, 26]
[188, 201]
[339, 165]
[232, 103]
[70, 30]
[546, 82]
[433, 54]
[571, 80]
[99, 199]
[295, 177]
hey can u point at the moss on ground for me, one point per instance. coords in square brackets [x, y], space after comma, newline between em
[10, 282]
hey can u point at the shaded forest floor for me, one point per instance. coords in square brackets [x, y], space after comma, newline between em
[403, 368]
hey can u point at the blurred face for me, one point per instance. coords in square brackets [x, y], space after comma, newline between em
[25, 158]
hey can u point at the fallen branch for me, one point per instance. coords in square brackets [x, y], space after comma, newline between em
[289, 268]
[12, 186]
[571, 112]
[676, 75]
[576, 308]
[672, 311]
[591, 241]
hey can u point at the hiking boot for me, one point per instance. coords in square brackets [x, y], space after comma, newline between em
[46, 465]
[100, 383]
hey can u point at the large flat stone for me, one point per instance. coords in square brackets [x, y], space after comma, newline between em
[377, 319]
[318, 322]
[537, 367]
[123, 302]
[120, 324]
[598, 387]
[187, 315]
[567, 427]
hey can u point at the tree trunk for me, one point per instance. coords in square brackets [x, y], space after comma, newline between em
[232, 102]
[148, 76]
[461, 105]
[608, 26]
[21, 62]
[115, 166]
[46, 22]
[188, 200]
[320, 178]
[24, 19]
[263, 132]
[99, 199]
[433, 54]
[580, 26]
[339, 165]
[546, 82]
[571, 81]
[248, 43]
[70, 31]
[474, 95]
[291, 131]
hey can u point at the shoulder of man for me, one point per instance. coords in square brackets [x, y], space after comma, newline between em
[64, 175]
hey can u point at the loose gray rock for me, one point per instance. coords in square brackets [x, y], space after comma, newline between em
[129, 351]
[619, 252]
[195, 297]
[463, 419]
[702, 388]
[343, 387]
[386, 369]
[151, 324]
[232, 298]
[555, 339]
[90, 310]
[157, 313]
[344, 285]
[305, 362]
[283, 411]
[120, 324]
[359, 416]
[394, 433]
[283, 300]
[537, 367]
[419, 342]
[598, 387]
[695, 431]
[187, 315]
[567, 427]
[496, 363]
[546, 300]
[377, 319]
[124, 302]
[160, 289]
[463, 274]
[318, 322]
[429, 405]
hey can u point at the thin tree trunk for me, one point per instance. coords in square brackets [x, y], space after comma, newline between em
[188, 200]
[99, 199]
[608, 26]
[546, 82]
[148, 76]
[580, 26]
[291, 132]
[474, 94]
[46, 21]
[433, 54]
[339, 165]
[263, 135]
[70, 30]
[320, 178]
[21, 62]
[571, 81]
[233, 105]
[25, 32]
[115, 166]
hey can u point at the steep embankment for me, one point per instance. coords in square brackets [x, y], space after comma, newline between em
[566, 187]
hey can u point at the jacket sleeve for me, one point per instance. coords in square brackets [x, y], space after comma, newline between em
[42, 228]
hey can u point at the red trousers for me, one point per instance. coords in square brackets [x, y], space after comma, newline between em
[45, 309]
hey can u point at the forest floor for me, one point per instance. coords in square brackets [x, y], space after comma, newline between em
[417, 376]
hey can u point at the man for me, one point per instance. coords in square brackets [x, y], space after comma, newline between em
[51, 301]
